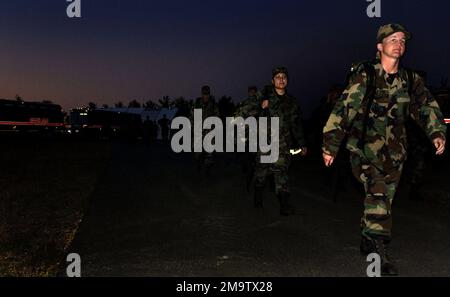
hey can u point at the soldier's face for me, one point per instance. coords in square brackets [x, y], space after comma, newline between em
[205, 97]
[393, 46]
[252, 93]
[280, 81]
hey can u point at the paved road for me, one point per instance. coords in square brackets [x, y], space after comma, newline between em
[152, 215]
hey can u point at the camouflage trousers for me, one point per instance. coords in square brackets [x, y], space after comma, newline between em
[203, 160]
[279, 170]
[380, 189]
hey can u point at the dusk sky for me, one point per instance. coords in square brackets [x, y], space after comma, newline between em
[136, 49]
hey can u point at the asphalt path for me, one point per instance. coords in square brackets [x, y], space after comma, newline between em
[152, 214]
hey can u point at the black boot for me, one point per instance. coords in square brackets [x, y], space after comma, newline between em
[258, 199]
[381, 248]
[367, 246]
[285, 208]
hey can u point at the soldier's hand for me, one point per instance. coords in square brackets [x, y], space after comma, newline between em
[265, 104]
[439, 143]
[304, 151]
[327, 159]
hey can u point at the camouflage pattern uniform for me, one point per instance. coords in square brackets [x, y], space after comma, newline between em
[291, 136]
[209, 109]
[249, 107]
[378, 164]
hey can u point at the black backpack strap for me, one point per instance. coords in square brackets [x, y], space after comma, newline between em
[368, 99]
[410, 81]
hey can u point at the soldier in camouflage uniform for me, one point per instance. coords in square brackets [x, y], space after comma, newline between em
[209, 108]
[248, 107]
[377, 161]
[274, 101]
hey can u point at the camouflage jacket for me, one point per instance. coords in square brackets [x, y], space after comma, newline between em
[249, 107]
[209, 109]
[385, 143]
[286, 109]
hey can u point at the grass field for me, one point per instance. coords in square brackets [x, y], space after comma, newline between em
[45, 186]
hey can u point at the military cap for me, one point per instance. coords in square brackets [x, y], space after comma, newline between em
[278, 70]
[206, 90]
[252, 88]
[390, 29]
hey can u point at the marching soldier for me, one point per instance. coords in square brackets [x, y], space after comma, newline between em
[248, 107]
[373, 109]
[276, 102]
[209, 108]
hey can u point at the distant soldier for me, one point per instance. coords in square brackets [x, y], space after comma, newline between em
[154, 131]
[147, 130]
[251, 106]
[274, 101]
[379, 98]
[248, 107]
[209, 108]
[164, 124]
[337, 177]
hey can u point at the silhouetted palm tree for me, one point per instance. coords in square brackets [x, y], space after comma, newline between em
[92, 105]
[150, 105]
[134, 104]
[118, 104]
[184, 107]
[165, 102]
